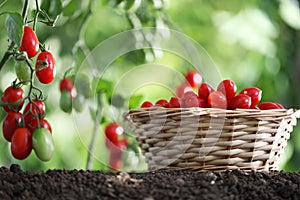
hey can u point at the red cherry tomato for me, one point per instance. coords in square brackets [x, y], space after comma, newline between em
[193, 78]
[43, 124]
[21, 143]
[33, 111]
[228, 88]
[279, 105]
[67, 84]
[162, 102]
[12, 95]
[204, 90]
[112, 132]
[240, 101]
[269, 106]
[183, 89]
[202, 103]
[254, 93]
[174, 102]
[147, 104]
[10, 124]
[115, 160]
[189, 99]
[30, 42]
[45, 67]
[217, 99]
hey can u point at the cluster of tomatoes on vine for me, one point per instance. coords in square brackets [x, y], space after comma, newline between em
[205, 96]
[25, 127]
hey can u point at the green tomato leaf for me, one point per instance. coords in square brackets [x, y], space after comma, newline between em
[117, 101]
[53, 8]
[135, 101]
[71, 8]
[14, 27]
[105, 86]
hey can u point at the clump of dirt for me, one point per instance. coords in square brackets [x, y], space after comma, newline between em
[81, 184]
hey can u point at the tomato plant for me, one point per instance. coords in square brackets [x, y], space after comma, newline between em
[29, 43]
[45, 67]
[21, 143]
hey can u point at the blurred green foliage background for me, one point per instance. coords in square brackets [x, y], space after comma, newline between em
[254, 43]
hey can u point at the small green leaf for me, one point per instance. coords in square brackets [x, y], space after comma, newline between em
[71, 8]
[135, 101]
[53, 7]
[105, 86]
[14, 27]
[117, 101]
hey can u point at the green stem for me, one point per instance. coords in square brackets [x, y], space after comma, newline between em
[36, 14]
[89, 163]
[7, 54]
[25, 11]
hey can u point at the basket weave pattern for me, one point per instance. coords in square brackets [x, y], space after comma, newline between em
[207, 139]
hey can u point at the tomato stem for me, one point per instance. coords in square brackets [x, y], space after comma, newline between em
[89, 163]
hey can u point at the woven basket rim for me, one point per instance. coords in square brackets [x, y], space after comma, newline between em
[292, 112]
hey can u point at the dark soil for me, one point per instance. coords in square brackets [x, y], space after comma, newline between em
[80, 184]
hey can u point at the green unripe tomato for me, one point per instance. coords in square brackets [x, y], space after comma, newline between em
[65, 101]
[42, 143]
[23, 72]
[79, 102]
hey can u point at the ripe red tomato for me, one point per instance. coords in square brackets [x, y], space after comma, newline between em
[202, 103]
[189, 99]
[183, 89]
[162, 102]
[204, 90]
[217, 99]
[10, 124]
[240, 101]
[21, 143]
[193, 78]
[228, 88]
[112, 132]
[269, 106]
[33, 111]
[67, 84]
[254, 93]
[115, 160]
[12, 95]
[147, 104]
[43, 124]
[30, 42]
[45, 67]
[174, 102]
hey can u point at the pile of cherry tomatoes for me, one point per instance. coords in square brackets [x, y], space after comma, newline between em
[193, 93]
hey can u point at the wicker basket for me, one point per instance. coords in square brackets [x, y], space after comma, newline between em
[207, 139]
